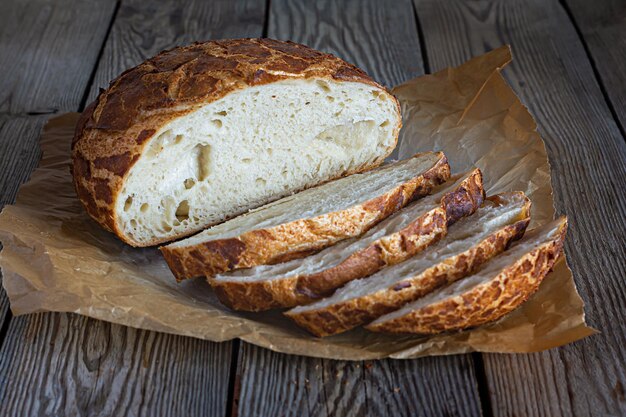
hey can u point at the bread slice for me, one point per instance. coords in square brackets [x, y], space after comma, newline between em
[468, 244]
[201, 133]
[498, 288]
[391, 241]
[308, 221]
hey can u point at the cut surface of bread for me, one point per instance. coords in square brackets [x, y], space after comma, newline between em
[308, 221]
[501, 286]
[201, 133]
[391, 241]
[469, 243]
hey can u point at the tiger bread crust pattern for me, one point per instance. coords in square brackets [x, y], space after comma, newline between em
[470, 242]
[224, 110]
[308, 221]
[497, 289]
[393, 240]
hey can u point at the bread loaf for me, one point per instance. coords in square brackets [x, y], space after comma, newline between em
[308, 221]
[468, 244]
[202, 133]
[393, 240]
[501, 286]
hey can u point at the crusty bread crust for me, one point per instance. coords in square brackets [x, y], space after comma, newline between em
[301, 237]
[486, 302]
[114, 130]
[343, 316]
[388, 250]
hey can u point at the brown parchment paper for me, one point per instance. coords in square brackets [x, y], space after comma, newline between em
[57, 259]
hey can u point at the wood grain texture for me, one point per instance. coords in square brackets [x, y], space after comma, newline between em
[603, 28]
[379, 38]
[552, 75]
[19, 154]
[383, 41]
[144, 28]
[62, 364]
[276, 384]
[48, 49]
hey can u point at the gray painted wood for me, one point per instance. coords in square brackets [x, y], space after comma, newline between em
[553, 76]
[384, 42]
[48, 49]
[62, 364]
[603, 28]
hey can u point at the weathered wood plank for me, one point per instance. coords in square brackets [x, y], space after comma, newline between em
[79, 366]
[588, 156]
[381, 39]
[48, 49]
[603, 27]
[143, 29]
[63, 364]
[19, 154]
[276, 384]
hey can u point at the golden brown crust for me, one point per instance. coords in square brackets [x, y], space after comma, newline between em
[486, 302]
[298, 238]
[113, 131]
[388, 250]
[343, 316]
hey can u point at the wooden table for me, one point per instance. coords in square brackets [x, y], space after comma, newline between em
[569, 69]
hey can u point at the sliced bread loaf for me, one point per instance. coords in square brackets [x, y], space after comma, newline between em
[391, 241]
[468, 244]
[201, 133]
[502, 285]
[308, 221]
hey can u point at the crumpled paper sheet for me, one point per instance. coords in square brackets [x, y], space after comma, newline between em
[55, 258]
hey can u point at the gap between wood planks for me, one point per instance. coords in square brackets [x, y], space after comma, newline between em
[594, 67]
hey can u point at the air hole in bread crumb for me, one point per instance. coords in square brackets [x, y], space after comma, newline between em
[128, 203]
[330, 98]
[203, 158]
[144, 207]
[189, 182]
[133, 223]
[384, 124]
[182, 211]
[270, 151]
[260, 181]
[323, 86]
[285, 172]
[246, 160]
[166, 227]
[178, 139]
[217, 123]
[222, 113]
